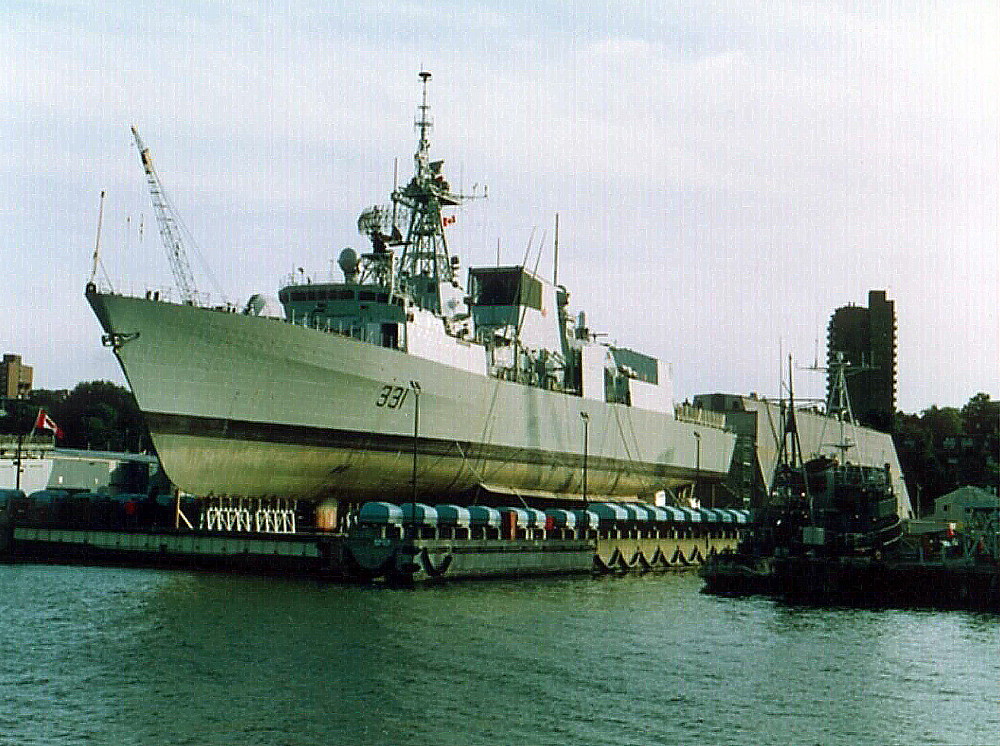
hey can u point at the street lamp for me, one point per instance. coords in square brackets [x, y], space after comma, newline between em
[697, 462]
[586, 423]
[415, 386]
[18, 453]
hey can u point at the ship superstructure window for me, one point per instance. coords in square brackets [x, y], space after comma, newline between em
[320, 294]
[370, 295]
[505, 286]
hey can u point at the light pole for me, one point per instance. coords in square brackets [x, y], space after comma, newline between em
[415, 386]
[18, 453]
[697, 462]
[20, 448]
[586, 427]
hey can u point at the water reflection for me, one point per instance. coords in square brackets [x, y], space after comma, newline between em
[149, 657]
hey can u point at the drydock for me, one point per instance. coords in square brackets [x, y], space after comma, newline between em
[385, 542]
[294, 418]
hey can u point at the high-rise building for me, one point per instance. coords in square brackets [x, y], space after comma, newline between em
[15, 377]
[866, 337]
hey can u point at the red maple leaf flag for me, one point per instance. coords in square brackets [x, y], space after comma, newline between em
[44, 422]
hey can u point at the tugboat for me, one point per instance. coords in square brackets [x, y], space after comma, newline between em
[825, 532]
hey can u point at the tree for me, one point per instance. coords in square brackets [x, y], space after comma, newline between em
[943, 422]
[95, 414]
[981, 416]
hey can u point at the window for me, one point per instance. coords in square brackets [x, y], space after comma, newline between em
[508, 286]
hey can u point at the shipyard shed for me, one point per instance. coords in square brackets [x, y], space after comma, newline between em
[965, 505]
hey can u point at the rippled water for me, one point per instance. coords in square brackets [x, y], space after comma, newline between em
[96, 655]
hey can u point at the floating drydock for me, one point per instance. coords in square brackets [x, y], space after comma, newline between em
[400, 544]
[758, 424]
[34, 463]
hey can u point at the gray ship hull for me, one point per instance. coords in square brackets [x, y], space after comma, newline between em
[253, 406]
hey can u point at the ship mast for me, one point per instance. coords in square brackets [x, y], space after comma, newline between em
[425, 262]
[424, 266]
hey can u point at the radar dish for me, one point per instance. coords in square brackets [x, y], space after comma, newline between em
[377, 219]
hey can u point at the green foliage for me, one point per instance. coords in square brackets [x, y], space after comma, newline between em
[981, 415]
[96, 414]
[945, 448]
[942, 423]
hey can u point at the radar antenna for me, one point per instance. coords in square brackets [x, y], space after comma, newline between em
[424, 263]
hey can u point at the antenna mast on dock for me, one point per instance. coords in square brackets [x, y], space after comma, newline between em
[169, 227]
[838, 402]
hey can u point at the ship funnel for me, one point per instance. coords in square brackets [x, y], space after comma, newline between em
[348, 262]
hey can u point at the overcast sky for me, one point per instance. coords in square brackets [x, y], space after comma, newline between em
[726, 173]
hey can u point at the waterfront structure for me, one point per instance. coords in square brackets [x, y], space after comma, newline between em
[865, 339]
[15, 377]
[318, 401]
[44, 466]
[966, 505]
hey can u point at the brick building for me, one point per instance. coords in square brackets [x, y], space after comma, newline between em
[15, 377]
[867, 339]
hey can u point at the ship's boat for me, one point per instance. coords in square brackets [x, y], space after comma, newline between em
[400, 379]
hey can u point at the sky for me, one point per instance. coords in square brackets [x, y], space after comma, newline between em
[726, 174]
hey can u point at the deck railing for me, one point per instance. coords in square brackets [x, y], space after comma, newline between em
[699, 416]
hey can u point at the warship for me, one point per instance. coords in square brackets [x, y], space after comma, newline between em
[400, 380]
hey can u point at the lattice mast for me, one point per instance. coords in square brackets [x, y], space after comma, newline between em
[169, 227]
[424, 264]
[425, 253]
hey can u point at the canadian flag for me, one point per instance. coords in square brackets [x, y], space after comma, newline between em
[44, 422]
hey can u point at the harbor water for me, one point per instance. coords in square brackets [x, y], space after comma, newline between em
[127, 656]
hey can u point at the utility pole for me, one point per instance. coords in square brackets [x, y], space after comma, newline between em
[697, 463]
[586, 426]
[17, 461]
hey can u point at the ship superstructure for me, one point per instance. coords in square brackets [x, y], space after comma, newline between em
[496, 385]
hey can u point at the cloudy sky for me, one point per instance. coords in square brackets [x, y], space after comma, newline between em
[726, 173]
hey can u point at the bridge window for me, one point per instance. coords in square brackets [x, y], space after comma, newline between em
[506, 286]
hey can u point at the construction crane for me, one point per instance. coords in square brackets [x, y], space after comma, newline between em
[169, 228]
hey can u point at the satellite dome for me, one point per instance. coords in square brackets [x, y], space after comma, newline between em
[263, 305]
[348, 262]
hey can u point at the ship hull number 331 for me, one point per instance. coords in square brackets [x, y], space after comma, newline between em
[391, 397]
